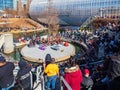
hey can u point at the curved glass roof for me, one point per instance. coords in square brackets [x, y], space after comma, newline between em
[77, 8]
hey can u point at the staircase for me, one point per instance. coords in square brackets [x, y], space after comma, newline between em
[87, 22]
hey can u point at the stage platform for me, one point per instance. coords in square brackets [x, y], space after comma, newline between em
[37, 55]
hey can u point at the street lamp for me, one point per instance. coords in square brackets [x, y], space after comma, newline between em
[101, 12]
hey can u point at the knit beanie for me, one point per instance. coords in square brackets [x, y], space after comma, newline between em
[2, 58]
[86, 71]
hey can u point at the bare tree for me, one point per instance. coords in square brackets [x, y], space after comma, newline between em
[20, 9]
[28, 5]
[23, 10]
[51, 15]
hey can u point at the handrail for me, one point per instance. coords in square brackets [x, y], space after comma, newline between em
[76, 41]
[40, 82]
[65, 83]
[39, 76]
[42, 79]
[1, 40]
[31, 80]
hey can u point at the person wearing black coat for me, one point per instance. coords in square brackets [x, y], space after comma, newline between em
[6, 74]
[114, 73]
[23, 76]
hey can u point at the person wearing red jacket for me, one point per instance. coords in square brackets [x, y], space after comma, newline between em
[73, 76]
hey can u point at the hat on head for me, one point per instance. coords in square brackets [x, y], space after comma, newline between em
[86, 71]
[2, 58]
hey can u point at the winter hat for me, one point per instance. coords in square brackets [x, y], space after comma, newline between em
[48, 57]
[2, 58]
[86, 71]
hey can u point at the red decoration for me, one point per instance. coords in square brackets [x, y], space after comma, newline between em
[66, 44]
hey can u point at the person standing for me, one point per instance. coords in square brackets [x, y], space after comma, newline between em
[52, 71]
[6, 74]
[87, 82]
[47, 59]
[114, 73]
[23, 76]
[73, 75]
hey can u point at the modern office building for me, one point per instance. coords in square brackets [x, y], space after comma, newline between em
[10, 4]
[75, 12]
[5, 4]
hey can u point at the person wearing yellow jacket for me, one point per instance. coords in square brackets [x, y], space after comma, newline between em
[52, 71]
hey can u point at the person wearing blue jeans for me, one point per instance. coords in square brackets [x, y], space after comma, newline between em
[8, 87]
[52, 71]
[51, 80]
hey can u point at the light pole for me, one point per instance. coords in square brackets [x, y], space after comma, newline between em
[101, 12]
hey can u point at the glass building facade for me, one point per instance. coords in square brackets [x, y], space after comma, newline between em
[75, 12]
[6, 4]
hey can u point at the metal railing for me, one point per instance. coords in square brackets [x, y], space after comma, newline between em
[65, 83]
[31, 81]
[41, 80]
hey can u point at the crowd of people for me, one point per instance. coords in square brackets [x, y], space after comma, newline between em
[104, 46]
[97, 69]
[47, 40]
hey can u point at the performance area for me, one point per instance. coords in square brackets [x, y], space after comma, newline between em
[58, 51]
